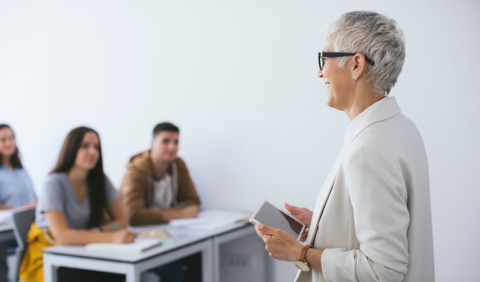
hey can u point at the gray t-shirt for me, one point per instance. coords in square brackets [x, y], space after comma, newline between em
[58, 195]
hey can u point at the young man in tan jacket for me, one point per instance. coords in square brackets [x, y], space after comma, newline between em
[157, 186]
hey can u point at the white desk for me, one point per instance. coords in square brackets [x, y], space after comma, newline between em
[188, 242]
[6, 231]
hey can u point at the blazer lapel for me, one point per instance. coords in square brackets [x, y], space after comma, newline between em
[323, 197]
[382, 110]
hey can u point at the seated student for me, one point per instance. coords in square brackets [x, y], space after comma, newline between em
[156, 189]
[16, 188]
[75, 198]
[157, 186]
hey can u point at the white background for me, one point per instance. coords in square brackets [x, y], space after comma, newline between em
[239, 79]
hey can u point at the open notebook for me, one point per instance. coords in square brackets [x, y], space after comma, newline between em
[148, 240]
[140, 245]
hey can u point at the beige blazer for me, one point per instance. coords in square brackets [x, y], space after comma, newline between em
[372, 216]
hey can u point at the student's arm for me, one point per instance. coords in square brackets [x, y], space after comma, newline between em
[187, 193]
[134, 196]
[117, 216]
[151, 216]
[57, 223]
[3, 207]
[32, 204]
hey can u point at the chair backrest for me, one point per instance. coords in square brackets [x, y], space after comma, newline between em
[22, 220]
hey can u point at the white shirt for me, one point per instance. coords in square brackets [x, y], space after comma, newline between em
[163, 192]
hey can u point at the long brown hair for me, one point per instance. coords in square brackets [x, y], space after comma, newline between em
[15, 158]
[96, 177]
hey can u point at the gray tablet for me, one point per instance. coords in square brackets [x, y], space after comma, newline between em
[272, 216]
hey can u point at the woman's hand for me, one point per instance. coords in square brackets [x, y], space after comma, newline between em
[190, 211]
[278, 243]
[304, 215]
[122, 237]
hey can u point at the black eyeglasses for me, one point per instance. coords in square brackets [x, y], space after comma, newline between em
[323, 55]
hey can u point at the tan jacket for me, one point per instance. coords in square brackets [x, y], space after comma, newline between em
[372, 217]
[138, 193]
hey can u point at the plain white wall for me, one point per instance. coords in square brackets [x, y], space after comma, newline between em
[239, 78]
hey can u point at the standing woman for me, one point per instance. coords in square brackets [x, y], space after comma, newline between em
[372, 219]
[75, 199]
[16, 188]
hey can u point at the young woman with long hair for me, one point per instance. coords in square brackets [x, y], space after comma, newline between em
[78, 206]
[16, 188]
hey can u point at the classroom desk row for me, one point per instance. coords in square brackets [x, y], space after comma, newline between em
[216, 266]
[6, 232]
[232, 253]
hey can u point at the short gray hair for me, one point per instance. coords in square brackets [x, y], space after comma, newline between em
[376, 37]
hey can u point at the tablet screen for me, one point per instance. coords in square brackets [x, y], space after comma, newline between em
[271, 216]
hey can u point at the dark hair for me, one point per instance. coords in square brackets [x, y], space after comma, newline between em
[164, 126]
[15, 158]
[96, 177]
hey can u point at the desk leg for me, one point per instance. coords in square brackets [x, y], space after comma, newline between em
[49, 269]
[132, 274]
[207, 262]
[215, 261]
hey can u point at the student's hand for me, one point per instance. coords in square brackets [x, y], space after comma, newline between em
[122, 237]
[278, 243]
[190, 211]
[304, 215]
[30, 205]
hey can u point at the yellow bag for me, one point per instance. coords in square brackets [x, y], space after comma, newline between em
[31, 269]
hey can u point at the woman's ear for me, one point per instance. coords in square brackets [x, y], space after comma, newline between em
[358, 65]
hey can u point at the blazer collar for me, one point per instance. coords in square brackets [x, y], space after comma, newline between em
[381, 110]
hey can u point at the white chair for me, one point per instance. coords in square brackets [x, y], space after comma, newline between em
[22, 220]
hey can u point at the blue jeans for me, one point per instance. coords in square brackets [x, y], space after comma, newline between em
[3, 258]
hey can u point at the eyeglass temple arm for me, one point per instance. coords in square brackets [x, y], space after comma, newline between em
[342, 54]
[369, 60]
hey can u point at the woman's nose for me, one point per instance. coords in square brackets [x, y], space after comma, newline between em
[320, 74]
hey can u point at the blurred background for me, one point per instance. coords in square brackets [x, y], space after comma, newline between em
[240, 80]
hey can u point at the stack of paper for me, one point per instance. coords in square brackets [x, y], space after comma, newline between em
[210, 220]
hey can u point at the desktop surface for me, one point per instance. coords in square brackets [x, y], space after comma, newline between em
[183, 237]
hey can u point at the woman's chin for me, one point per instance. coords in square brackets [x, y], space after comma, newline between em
[330, 100]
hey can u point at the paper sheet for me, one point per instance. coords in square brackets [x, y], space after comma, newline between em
[136, 247]
[210, 220]
[5, 216]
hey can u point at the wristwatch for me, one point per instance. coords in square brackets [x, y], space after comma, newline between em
[301, 262]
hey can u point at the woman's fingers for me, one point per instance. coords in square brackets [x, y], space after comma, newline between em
[296, 211]
[304, 234]
[129, 236]
[302, 214]
[291, 209]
